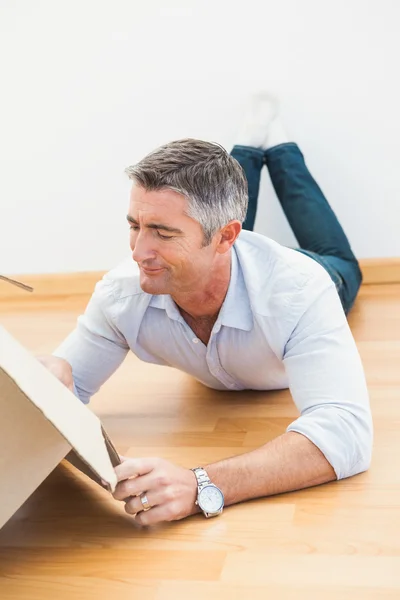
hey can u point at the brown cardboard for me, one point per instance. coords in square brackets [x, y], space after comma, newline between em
[41, 422]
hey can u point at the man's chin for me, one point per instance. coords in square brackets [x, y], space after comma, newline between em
[152, 286]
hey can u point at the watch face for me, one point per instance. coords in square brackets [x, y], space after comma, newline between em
[211, 499]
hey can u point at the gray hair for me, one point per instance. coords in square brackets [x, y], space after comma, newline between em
[211, 180]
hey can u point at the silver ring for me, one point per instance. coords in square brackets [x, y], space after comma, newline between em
[145, 502]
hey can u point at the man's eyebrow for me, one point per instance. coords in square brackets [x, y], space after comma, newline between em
[155, 225]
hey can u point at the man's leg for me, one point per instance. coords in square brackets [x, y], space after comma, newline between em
[312, 220]
[252, 161]
[249, 151]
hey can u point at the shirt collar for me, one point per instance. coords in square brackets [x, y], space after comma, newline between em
[236, 309]
[165, 302]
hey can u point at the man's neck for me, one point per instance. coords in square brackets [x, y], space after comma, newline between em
[205, 304]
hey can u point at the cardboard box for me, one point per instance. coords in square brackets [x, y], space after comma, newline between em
[42, 422]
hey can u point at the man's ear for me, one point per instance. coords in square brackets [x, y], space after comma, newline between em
[228, 236]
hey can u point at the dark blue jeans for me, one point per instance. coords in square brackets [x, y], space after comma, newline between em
[313, 222]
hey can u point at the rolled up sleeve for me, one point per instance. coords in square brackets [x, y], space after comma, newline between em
[328, 386]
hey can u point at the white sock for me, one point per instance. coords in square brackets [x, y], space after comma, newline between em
[276, 134]
[261, 112]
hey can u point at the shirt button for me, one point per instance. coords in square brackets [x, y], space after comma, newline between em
[195, 341]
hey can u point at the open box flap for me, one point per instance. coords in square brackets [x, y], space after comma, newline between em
[75, 422]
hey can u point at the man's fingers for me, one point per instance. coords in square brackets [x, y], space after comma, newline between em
[133, 467]
[159, 514]
[133, 487]
[134, 505]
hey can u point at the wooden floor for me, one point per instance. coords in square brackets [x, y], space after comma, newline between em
[339, 541]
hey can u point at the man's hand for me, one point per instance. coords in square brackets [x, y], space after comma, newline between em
[171, 491]
[60, 368]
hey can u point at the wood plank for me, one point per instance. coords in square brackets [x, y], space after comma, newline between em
[171, 590]
[382, 572]
[124, 563]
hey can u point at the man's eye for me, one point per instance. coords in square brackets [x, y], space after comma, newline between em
[134, 227]
[164, 237]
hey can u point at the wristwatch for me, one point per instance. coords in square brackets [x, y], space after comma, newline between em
[209, 497]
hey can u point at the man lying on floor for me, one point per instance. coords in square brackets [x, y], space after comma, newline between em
[237, 311]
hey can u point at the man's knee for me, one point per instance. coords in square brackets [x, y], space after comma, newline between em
[352, 281]
[357, 272]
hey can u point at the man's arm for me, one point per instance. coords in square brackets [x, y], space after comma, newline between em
[96, 348]
[330, 440]
[287, 463]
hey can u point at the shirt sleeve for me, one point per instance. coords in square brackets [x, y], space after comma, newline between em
[328, 386]
[96, 348]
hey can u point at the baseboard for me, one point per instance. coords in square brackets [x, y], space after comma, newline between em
[64, 285]
[51, 286]
[380, 270]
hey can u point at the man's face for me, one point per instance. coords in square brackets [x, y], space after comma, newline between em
[166, 243]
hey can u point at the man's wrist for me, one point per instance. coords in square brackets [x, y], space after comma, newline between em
[210, 498]
[195, 508]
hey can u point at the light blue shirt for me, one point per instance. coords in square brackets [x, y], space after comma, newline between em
[281, 325]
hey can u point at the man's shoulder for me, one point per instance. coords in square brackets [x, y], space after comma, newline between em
[278, 279]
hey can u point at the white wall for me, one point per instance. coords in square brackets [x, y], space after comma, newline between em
[89, 86]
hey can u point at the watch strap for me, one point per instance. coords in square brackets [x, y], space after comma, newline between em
[201, 476]
[203, 480]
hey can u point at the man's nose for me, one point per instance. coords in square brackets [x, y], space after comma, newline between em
[142, 248]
